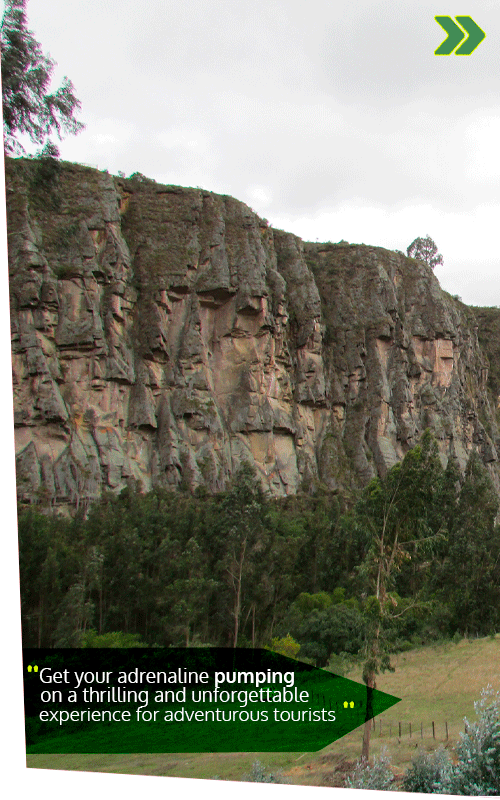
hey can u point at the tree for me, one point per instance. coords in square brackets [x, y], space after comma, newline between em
[425, 250]
[469, 577]
[340, 628]
[189, 593]
[287, 646]
[398, 514]
[28, 105]
[245, 543]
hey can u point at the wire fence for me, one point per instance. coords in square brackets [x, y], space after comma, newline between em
[413, 730]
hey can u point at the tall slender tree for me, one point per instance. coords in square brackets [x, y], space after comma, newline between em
[245, 540]
[400, 522]
[470, 574]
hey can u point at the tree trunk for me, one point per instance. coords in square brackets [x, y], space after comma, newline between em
[100, 608]
[370, 680]
[40, 622]
[365, 751]
[237, 599]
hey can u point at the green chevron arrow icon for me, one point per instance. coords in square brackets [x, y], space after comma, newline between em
[456, 34]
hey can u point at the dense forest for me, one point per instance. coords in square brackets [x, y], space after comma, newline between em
[417, 555]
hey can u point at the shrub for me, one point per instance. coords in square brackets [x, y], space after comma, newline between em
[286, 646]
[258, 774]
[478, 768]
[429, 773]
[378, 775]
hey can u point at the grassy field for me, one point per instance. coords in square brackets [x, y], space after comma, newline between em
[436, 684]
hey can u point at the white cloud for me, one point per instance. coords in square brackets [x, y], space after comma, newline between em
[259, 195]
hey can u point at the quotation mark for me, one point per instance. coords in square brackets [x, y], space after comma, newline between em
[35, 668]
[347, 705]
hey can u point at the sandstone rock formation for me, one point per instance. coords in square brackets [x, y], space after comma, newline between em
[163, 335]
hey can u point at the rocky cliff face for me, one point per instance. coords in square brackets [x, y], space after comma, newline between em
[165, 335]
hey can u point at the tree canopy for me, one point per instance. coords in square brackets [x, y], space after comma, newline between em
[29, 107]
[425, 249]
[415, 559]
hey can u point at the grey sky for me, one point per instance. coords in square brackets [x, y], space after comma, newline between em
[332, 119]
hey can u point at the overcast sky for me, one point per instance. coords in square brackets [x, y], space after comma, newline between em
[332, 119]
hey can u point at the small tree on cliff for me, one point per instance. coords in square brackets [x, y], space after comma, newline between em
[28, 106]
[425, 250]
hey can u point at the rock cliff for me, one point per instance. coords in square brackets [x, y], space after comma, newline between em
[163, 335]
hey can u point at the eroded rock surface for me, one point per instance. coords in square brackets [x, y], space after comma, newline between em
[164, 335]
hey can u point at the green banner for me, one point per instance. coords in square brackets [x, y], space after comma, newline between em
[201, 700]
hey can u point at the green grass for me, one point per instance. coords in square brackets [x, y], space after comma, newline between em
[438, 683]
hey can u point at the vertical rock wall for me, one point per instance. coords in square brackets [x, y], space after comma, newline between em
[164, 335]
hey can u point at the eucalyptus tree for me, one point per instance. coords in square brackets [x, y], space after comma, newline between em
[402, 523]
[29, 105]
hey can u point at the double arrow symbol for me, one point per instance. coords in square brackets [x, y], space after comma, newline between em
[455, 35]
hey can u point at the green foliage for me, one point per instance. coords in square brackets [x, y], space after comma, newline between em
[402, 520]
[425, 249]
[402, 517]
[478, 768]
[47, 167]
[377, 776]
[416, 559]
[28, 105]
[286, 646]
[243, 546]
[113, 639]
[306, 602]
[324, 631]
[45, 179]
[175, 569]
[429, 773]
[48, 563]
[468, 578]
[140, 178]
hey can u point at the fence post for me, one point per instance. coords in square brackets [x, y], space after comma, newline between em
[421, 730]
[433, 730]
[400, 730]
[410, 730]
[446, 725]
